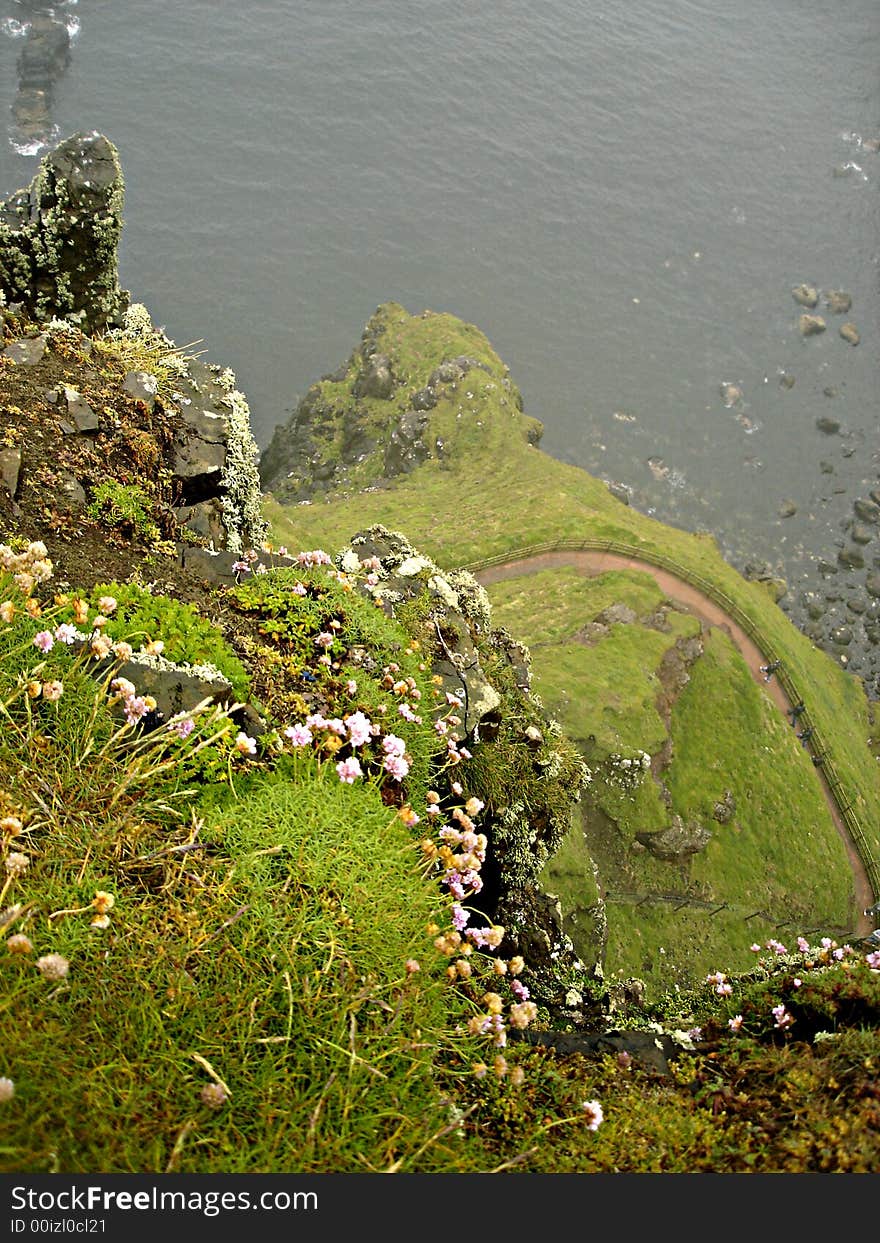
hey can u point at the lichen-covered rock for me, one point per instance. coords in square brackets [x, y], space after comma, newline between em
[406, 575]
[59, 236]
[676, 842]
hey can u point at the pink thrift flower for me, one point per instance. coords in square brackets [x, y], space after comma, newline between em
[245, 745]
[324, 639]
[298, 735]
[397, 766]
[412, 966]
[359, 729]
[135, 709]
[735, 1023]
[351, 686]
[593, 1114]
[65, 633]
[44, 641]
[392, 745]
[803, 945]
[459, 917]
[873, 960]
[782, 1017]
[298, 589]
[349, 770]
[183, 728]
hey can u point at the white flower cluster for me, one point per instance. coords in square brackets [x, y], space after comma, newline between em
[626, 772]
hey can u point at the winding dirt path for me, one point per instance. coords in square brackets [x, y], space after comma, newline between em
[591, 563]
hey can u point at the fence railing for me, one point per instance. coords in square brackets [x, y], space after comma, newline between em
[737, 614]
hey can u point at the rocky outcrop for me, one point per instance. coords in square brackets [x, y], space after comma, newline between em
[458, 613]
[677, 842]
[59, 237]
[375, 418]
[185, 447]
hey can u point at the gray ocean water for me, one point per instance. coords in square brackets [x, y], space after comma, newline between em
[620, 195]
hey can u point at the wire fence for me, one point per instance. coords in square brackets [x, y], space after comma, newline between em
[737, 614]
[629, 897]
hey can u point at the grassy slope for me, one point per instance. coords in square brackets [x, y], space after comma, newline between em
[493, 493]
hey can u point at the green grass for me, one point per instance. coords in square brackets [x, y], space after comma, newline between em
[493, 493]
[725, 734]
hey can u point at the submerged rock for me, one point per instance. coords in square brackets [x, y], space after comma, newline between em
[811, 325]
[806, 295]
[838, 302]
[850, 333]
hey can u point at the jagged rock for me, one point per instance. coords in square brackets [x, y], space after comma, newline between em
[28, 351]
[620, 492]
[591, 632]
[204, 519]
[811, 325]
[724, 810]
[650, 1050]
[72, 489]
[861, 534]
[850, 333]
[787, 509]
[814, 604]
[616, 614]
[142, 386]
[806, 295]
[838, 302]
[424, 399]
[10, 465]
[376, 380]
[534, 737]
[852, 558]
[404, 575]
[406, 449]
[59, 236]
[80, 413]
[872, 585]
[675, 666]
[677, 841]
